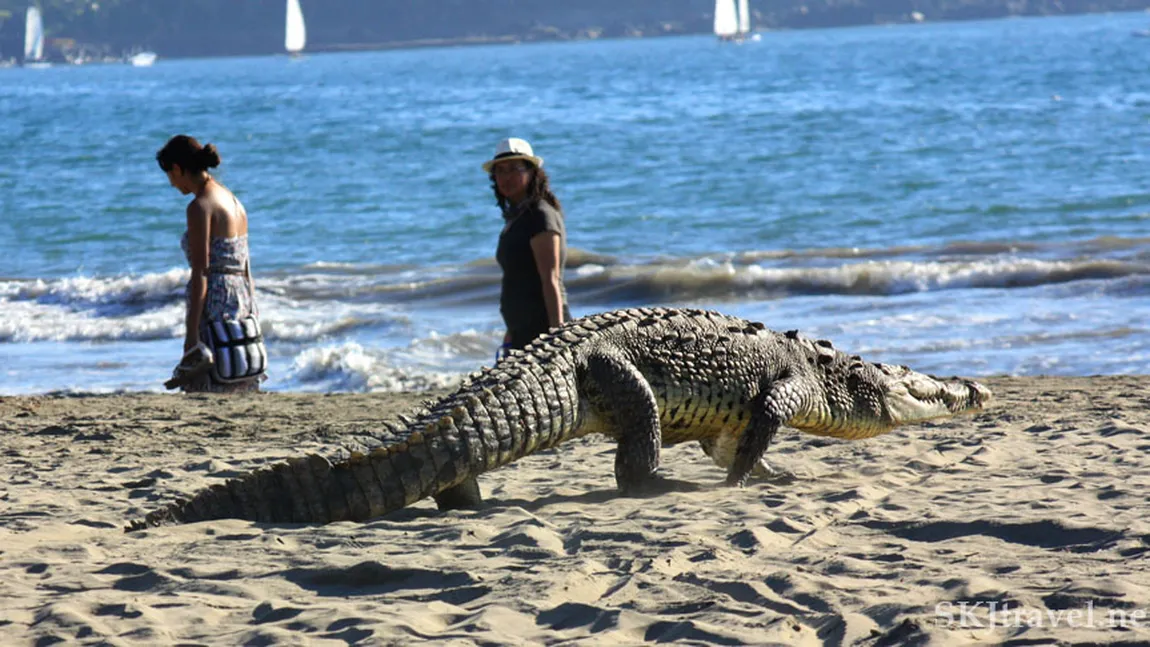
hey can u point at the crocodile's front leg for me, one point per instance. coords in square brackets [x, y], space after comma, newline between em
[775, 404]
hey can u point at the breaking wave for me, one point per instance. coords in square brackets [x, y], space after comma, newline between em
[329, 300]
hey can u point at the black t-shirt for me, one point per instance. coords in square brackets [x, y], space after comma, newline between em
[521, 299]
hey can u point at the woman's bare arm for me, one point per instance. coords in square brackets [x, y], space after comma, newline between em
[545, 248]
[199, 237]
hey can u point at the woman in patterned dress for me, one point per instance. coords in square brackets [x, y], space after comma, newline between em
[216, 246]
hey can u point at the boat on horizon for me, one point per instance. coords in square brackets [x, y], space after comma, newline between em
[295, 32]
[34, 40]
[726, 20]
[733, 21]
[142, 59]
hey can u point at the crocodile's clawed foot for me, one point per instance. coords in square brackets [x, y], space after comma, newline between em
[773, 474]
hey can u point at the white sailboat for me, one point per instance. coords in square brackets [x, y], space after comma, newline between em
[34, 39]
[726, 20]
[295, 33]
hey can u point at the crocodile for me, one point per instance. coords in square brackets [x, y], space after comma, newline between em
[644, 377]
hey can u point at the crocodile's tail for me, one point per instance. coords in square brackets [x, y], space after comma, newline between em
[496, 417]
[312, 489]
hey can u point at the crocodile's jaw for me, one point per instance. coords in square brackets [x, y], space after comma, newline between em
[914, 397]
[885, 397]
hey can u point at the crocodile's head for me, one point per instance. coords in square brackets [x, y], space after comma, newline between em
[861, 400]
[912, 397]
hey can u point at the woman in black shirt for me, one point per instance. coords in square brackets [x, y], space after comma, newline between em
[532, 249]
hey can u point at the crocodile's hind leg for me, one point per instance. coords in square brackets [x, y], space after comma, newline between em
[624, 394]
[464, 495]
[721, 450]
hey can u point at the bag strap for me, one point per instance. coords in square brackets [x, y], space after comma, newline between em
[248, 279]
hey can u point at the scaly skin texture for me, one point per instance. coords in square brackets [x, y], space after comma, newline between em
[644, 377]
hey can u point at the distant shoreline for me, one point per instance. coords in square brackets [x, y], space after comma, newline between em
[511, 39]
[794, 20]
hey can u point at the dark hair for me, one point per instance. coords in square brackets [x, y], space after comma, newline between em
[538, 189]
[188, 153]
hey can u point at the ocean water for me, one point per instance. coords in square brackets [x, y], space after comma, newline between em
[964, 198]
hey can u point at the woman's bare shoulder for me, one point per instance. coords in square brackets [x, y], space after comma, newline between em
[227, 213]
[199, 208]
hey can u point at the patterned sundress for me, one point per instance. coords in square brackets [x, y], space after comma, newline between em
[230, 296]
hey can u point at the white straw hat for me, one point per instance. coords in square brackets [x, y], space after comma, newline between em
[513, 149]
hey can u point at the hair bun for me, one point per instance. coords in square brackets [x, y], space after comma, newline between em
[210, 156]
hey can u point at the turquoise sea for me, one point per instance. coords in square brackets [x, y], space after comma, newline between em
[964, 198]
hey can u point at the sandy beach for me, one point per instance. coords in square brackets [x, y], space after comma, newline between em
[1026, 522]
